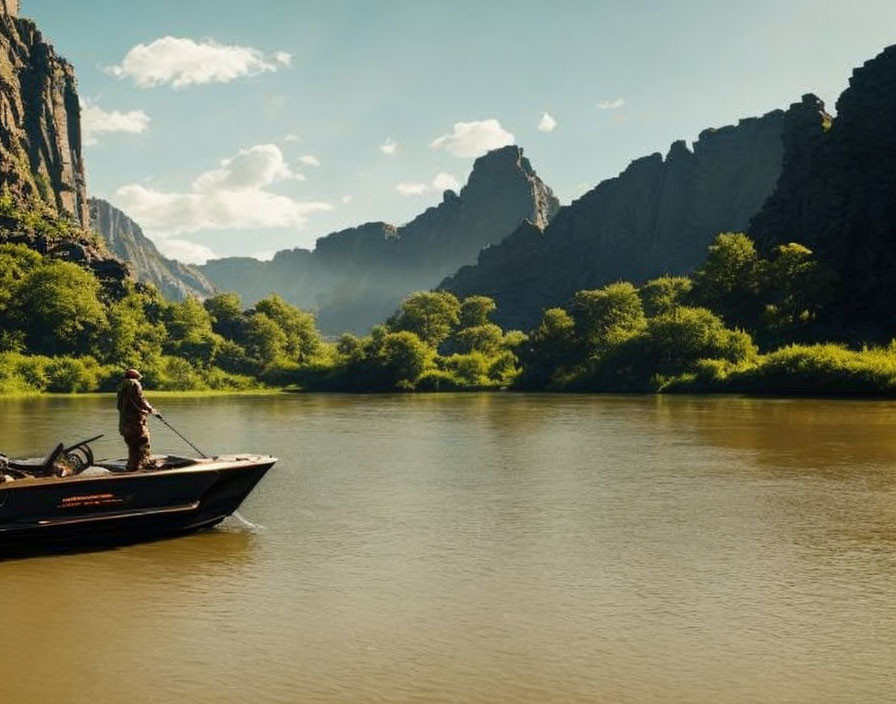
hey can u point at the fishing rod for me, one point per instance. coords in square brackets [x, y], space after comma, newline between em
[175, 431]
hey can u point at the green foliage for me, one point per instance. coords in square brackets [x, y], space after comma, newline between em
[431, 315]
[486, 338]
[59, 309]
[475, 311]
[302, 341]
[60, 332]
[822, 369]
[730, 278]
[399, 358]
[665, 294]
[674, 342]
[471, 369]
[266, 341]
[439, 380]
[550, 348]
[133, 340]
[796, 287]
[228, 319]
[606, 317]
[37, 373]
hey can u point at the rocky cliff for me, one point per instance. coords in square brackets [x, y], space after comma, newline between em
[40, 143]
[126, 241]
[837, 195]
[43, 197]
[355, 278]
[656, 217]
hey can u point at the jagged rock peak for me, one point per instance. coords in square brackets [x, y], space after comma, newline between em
[10, 7]
[494, 169]
[356, 277]
[126, 240]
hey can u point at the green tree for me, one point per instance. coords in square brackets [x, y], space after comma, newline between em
[607, 316]
[475, 311]
[431, 315]
[729, 280]
[665, 294]
[228, 319]
[302, 339]
[59, 309]
[675, 342]
[471, 369]
[796, 288]
[190, 332]
[550, 347]
[16, 261]
[487, 338]
[132, 340]
[398, 359]
[267, 342]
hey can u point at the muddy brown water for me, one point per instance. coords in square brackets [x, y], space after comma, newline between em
[483, 548]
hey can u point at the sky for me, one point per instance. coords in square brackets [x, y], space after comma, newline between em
[241, 128]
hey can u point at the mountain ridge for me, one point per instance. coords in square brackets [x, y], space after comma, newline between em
[356, 277]
[656, 217]
[125, 239]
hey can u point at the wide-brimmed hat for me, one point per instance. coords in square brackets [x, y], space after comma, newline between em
[132, 374]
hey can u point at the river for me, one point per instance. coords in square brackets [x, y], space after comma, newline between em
[483, 548]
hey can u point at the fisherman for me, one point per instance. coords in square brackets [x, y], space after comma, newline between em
[133, 409]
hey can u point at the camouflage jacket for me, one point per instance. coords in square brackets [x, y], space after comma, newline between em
[132, 404]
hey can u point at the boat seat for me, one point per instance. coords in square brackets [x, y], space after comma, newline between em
[38, 467]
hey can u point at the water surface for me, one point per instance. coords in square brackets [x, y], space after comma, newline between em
[483, 548]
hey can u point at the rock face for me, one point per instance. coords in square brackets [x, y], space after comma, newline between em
[126, 241]
[656, 217]
[43, 197]
[837, 195]
[356, 278]
[40, 140]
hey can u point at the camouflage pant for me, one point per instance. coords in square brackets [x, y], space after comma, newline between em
[136, 436]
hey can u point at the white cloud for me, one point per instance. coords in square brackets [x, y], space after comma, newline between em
[547, 123]
[309, 160]
[473, 138]
[182, 62]
[250, 169]
[445, 182]
[96, 121]
[611, 104]
[291, 138]
[441, 182]
[346, 199]
[412, 188]
[183, 251]
[233, 196]
[389, 147]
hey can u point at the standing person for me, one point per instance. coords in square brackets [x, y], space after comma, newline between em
[133, 409]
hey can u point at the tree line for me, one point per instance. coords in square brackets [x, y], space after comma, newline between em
[741, 322]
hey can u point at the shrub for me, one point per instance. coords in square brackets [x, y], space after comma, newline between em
[439, 380]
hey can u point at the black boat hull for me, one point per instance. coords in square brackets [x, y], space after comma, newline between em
[122, 507]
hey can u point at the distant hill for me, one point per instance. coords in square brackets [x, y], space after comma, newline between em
[356, 278]
[126, 241]
[837, 195]
[656, 217]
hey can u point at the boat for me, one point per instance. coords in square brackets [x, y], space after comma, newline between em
[68, 497]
